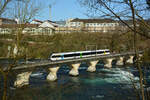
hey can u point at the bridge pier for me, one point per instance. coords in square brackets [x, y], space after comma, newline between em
[120, 61]
[22, 79]
[109, 63]
[130, 60]
[52, 76]
[74, 71]
[140, 56]
[92, 66]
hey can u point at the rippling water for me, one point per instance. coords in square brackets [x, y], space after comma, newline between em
[104, 84]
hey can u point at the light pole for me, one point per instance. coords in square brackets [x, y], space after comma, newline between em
[50, 8]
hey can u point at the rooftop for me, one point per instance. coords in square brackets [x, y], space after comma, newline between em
[37, 20]
[18, 25]
[93, 20]
[7, 19]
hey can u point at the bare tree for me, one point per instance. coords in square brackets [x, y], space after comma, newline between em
[3, 6]
[24, 10]
[118, 9]
[135, 10]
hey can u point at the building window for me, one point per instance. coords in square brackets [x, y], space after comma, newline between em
[33, 30]
[87, 25]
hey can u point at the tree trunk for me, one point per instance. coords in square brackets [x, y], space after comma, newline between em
[5, 76]
[135, 49]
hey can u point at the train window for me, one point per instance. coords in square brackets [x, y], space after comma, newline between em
[94, 52]
[99, 52]
[68, 55]
[89, 53]
[107, 51]
[77, 54]
[55, 56]
[71, 55]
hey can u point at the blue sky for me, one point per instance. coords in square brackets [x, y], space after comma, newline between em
[62, 10]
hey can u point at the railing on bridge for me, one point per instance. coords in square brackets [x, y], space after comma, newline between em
[76, 60]
[53, 66]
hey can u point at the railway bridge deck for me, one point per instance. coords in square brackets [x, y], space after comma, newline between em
[26, 68]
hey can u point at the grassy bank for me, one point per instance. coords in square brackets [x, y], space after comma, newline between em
[41, 46]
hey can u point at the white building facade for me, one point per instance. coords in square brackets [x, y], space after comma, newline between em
[93, 25]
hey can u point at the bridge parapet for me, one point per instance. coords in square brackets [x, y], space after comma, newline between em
[53, 66]
[70, 61]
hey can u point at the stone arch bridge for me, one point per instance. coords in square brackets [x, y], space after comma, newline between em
[25, 70]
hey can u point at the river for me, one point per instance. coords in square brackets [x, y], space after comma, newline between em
[104, 84]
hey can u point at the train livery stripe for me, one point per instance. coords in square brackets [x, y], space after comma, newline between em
[62, 56]
[71, 55]
[104, 52]
[81, 55]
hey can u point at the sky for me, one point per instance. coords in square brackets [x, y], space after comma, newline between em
[66, 9]
[61, 10]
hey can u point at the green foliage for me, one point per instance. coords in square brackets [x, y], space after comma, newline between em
[41, 46]
[64, 43]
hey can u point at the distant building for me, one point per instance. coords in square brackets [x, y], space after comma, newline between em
[90, 25]
[7, 21]
[48, 24]
[35, 21]
[29, 29]
[18, 21]
[12, 28]
[61, 23]
[37, 27]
